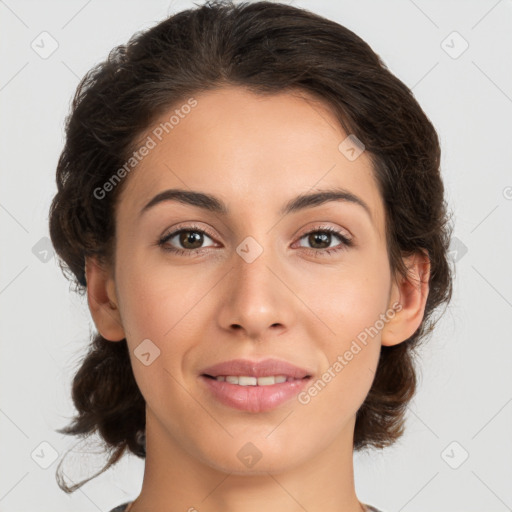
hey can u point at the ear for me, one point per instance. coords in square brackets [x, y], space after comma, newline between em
[102, 300]
[409, 297]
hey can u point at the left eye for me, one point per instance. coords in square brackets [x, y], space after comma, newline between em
[192, 238]
[323, 236]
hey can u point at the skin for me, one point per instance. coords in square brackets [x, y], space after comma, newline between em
[255, 153]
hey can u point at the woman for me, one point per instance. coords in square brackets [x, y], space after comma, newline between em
[253, 205]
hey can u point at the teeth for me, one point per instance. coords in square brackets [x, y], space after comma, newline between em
[244, 380]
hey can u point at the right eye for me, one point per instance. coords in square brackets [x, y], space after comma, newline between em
[187, 237]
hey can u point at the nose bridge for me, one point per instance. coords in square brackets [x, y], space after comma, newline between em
[254, 280]
[257, 300]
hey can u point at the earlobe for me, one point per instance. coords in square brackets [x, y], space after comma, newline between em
[411, 296]
[102, 300]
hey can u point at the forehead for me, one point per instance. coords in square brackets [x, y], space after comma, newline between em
[243, 147]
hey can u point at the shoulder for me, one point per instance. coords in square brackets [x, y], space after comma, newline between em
[369, 508]
[121, 508]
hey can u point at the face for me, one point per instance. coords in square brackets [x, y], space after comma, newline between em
[310, 286]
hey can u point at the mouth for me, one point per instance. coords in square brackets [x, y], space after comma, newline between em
[250, 380]
[254, 386]
[276, 368]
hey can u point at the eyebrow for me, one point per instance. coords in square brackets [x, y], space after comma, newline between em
[213, 204]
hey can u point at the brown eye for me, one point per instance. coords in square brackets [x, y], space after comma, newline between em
[185, 240]
[190, 239]
[321, 239]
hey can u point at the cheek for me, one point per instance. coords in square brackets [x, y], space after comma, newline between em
[348, 300]
[349, 305]
[155, 316]
[155, 299]
[162, 305]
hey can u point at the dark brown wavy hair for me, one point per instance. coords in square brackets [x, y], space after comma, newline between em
[267, 48]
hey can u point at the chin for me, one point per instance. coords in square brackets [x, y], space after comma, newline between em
[258, 458]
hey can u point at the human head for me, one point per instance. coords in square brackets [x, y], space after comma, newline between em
[263, 47]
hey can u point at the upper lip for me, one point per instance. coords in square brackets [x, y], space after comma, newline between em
[264, 368]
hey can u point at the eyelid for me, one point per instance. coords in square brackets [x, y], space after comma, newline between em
[343, 234]
[328, 227]
[302, 233]
[187, 227]
[346, 242]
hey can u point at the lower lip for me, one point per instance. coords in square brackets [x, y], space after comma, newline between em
[254, 398]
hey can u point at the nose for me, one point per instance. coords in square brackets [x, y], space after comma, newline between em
[258, 303]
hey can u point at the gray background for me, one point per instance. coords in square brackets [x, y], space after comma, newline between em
[464, 403]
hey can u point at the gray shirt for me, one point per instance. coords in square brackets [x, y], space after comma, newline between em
[124, 508]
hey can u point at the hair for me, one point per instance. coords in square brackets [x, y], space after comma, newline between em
[267, 48]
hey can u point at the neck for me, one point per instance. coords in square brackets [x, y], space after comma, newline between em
[177, 480]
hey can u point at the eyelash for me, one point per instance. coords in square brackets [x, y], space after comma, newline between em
[345, 242]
